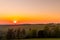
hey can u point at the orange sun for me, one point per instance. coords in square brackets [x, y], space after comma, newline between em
[14, 21]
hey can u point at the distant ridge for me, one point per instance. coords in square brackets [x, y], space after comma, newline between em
[19, 24]
[27, 24]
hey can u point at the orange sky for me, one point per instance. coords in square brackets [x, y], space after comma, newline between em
[29, 11]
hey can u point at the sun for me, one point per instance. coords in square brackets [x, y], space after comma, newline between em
[14, 21]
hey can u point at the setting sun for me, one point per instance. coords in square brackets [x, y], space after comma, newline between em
[14, 21]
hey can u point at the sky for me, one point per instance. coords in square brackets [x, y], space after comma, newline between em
[29, 11]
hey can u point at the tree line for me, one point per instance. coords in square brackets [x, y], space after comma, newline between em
[45, 33]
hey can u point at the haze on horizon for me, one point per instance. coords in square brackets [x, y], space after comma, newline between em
[29, 11]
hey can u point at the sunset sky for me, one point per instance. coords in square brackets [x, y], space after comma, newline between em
[29, 11]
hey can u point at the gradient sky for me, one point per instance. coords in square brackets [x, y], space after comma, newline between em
[29, 11]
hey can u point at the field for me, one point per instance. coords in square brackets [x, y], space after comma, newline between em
[40, 39]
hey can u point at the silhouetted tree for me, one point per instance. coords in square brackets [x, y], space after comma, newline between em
[18, 35]
[23, 33]
[29, 35]
[52, 31]
[46, 31]
[10, 34]
[34, 33]
[1, 37]
[57, 32]
[41, 34]
[14, 34]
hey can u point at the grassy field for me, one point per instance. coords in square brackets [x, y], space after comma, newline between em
[43, 39]
[40, 39]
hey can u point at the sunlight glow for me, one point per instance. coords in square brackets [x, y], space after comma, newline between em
[14, 21]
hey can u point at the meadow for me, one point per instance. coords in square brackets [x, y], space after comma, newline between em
[39, 39]
[43, 39]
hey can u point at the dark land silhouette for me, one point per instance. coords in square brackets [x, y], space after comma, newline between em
[48, 31]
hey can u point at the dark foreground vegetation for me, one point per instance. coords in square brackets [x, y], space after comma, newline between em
[53, 32]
